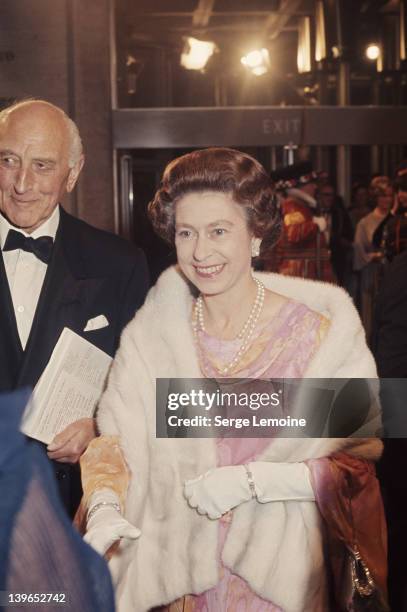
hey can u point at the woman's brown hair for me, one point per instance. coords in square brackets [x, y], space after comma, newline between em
[222, 170]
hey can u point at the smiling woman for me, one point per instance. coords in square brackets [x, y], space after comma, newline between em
[217, 205]
[229, 523]
[213, 241]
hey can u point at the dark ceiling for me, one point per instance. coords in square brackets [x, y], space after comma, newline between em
[219, 19]
[151, 34]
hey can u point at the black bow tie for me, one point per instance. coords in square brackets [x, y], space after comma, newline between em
[41, 247]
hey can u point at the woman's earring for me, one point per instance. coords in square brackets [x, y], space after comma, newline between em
[256, 242]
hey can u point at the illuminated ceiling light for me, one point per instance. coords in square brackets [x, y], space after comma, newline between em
[257, 61]
[253, 59]
[320, 33]
[196, 53]
[304, 45]
[373, 52]
[259, 70]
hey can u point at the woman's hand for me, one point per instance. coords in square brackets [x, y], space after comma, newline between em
[106, 527]
[218, 491]
[105, 524]
[222, 489]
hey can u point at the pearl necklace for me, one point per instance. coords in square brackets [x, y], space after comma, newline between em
[245, 334]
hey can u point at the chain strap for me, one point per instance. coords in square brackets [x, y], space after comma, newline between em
[363, 586]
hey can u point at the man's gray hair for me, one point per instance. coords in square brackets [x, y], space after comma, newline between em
[75, 141]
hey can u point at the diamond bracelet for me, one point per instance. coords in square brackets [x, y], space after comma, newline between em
[100, 505]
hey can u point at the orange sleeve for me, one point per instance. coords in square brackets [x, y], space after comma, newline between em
[103, 467]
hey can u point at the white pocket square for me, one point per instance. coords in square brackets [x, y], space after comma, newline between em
[96, 323]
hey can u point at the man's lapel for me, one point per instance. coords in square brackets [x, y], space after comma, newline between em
[11, 351]
[62, 302]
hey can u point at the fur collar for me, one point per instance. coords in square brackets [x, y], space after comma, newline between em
[174, 295]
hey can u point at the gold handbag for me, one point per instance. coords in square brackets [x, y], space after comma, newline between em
[360, 593]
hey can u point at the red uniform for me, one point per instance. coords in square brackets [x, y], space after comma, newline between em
[302, 249]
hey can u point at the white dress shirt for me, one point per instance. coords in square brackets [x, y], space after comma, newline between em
[26, 273]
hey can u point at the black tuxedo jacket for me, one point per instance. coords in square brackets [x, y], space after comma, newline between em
[91, 273]
[390, 348]
[390, 329]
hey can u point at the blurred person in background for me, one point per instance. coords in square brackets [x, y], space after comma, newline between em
[401, 169]
[41, 554]
[338, 233]
[302, 249]
[359, 207]
[391, 234]
[367, 259]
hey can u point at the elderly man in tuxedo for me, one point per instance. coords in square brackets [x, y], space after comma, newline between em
[55, 270]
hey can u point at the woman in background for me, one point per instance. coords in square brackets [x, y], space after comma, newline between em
[230, 524]
[359, 207]
[367, 257]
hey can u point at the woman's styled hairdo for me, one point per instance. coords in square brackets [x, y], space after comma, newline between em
[223, 170]
[379, 186]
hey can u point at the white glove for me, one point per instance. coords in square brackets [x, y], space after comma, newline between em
[219, 490]
[321, 222]
[106, 525]
[224, 488]
[281, 481]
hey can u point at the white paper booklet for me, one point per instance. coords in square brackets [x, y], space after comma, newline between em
[69, 388]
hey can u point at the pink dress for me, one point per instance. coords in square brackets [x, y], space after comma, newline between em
[282, 348]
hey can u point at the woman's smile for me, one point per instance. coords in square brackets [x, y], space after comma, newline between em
[209, 271]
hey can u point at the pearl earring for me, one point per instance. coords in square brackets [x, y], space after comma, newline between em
[256, 242]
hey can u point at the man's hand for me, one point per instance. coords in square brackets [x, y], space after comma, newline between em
[69, 444]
